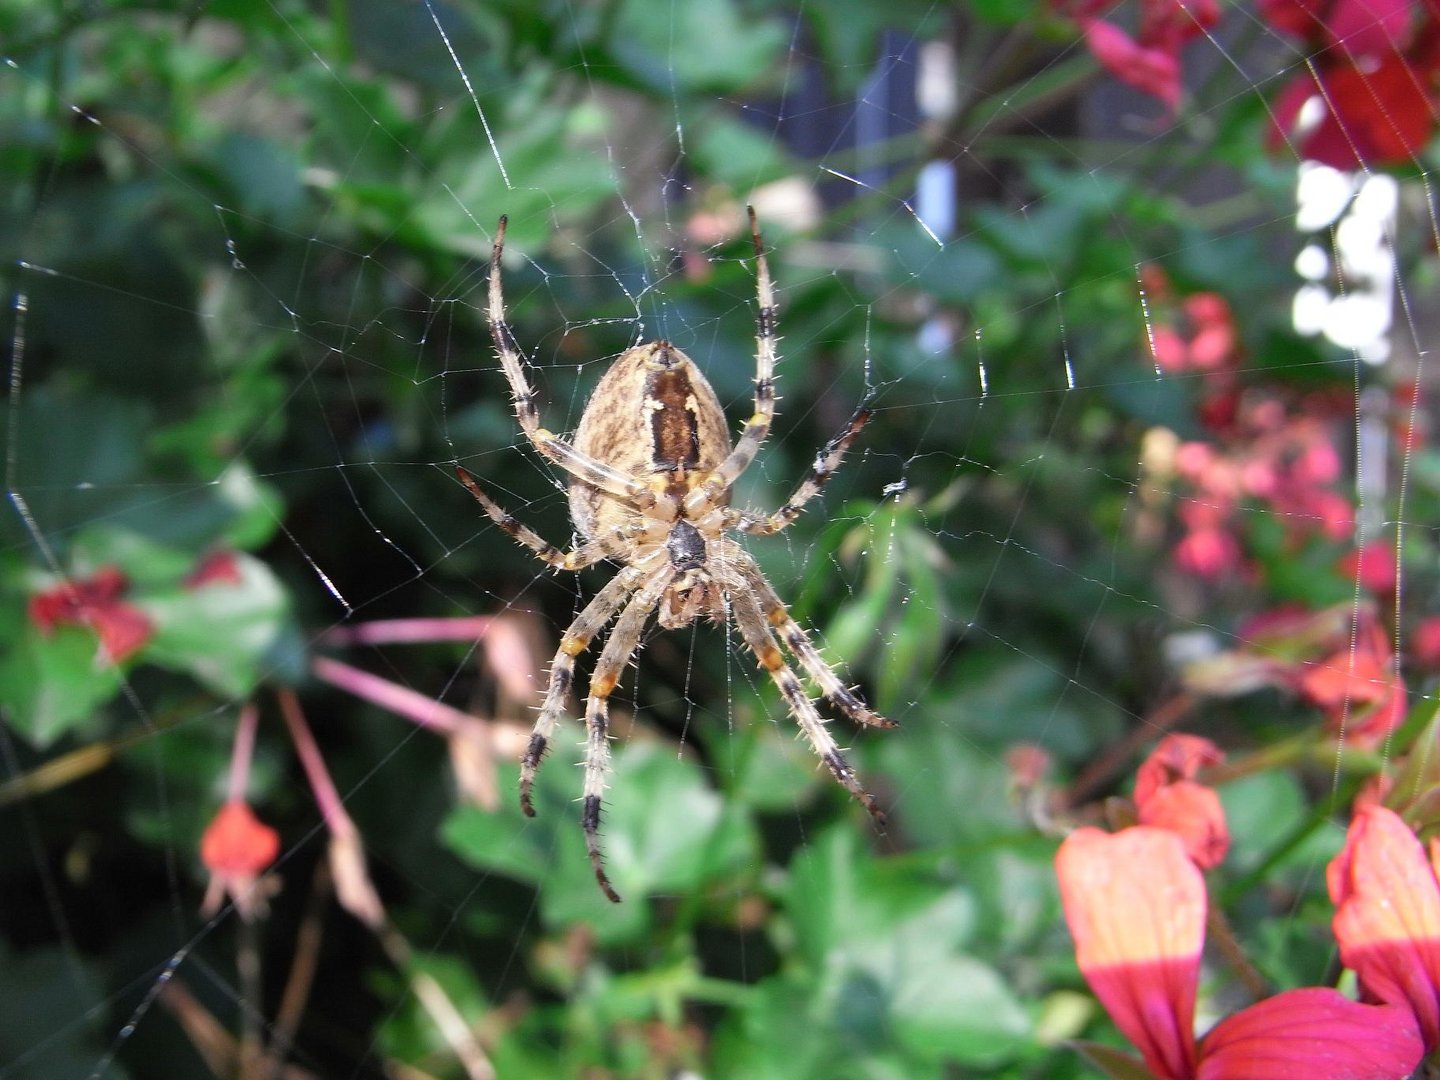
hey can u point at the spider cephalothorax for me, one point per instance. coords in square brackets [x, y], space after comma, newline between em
[651, 468]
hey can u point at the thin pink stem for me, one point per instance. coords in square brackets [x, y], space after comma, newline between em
[242, 751]
[411, 631]
[327, 797]
[411, 704]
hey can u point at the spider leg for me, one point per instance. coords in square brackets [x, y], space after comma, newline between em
[758, 426]
[803, 649]
[620, 647]
[577, 559]
[573, 642]
[552, 447]
[761, 641]
[825, 464]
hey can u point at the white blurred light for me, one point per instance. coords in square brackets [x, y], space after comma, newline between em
[1308, 312]
[1355, 320]
[1355, 311]
[1322, 196]
[1312, 264]
[1378, 198]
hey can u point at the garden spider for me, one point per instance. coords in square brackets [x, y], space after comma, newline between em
[651, 469]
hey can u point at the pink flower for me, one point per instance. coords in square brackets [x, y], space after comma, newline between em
[1153, 69]
[1208, 553]
[1136, 906]
[1425, 643]
[1373, 566]
[1150, 60]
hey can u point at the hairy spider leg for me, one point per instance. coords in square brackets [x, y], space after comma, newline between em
[803, 649]
[619, 648]
[760, 639]
[578, 558]
[826, 463]
[758, 426]
[576, 639]
[557, 450]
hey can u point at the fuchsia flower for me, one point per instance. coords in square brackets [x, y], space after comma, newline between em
[95, 602]
[237, 848]
[1387, 917]
[1136, 907]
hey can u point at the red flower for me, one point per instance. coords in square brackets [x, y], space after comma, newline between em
[1359, 687]
[217, 568]
[1135, 904]
[1374, 83]
[95, 602]
[1387, 917]
[1168, 797]
[1360, 27]
[236, 848]
[1315, 1032]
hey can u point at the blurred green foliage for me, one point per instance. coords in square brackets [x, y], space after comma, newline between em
[246, 245]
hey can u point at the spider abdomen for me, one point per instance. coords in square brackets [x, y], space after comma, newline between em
[653, 414]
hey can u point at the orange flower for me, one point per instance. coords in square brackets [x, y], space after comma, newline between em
[1136, 904]
[1387, 917]
[237, 848]
[1168, 797]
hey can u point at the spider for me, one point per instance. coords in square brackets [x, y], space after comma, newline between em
[651, 469]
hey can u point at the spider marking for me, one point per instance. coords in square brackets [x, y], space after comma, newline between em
[651, 468]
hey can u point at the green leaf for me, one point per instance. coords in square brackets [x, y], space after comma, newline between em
[735, 153]
[646, 852]
[53, 1019]
[1114, 1063]
[709, 47]
[221, 633]
[886, 949]
[52, 684]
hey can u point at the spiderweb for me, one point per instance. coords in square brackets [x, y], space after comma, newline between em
[1147, 366]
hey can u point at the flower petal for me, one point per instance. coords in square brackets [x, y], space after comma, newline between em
[1388, 915]
[1156, 71]
[1315, 1032]
[1192, 812]
[1135, 904]
[237, 842]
